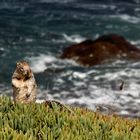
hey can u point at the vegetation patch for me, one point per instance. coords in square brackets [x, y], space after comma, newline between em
[53, 122]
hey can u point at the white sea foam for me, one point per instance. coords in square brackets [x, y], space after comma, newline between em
[79, 75]
[39, 63]
[73, 38]
[2, 49]
[137, 43]
[56, 1]
[29, 40]
[125, 17]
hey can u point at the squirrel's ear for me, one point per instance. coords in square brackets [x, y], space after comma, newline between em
[18, 63]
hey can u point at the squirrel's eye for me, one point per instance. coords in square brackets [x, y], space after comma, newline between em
[21, 69]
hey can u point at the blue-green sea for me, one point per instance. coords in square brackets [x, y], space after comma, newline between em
[38, 30]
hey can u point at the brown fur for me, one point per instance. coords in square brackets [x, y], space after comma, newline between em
[24, 84]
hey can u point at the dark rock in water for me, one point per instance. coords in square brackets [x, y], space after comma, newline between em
[104, 49]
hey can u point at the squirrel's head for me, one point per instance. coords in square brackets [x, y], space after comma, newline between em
[23, 68]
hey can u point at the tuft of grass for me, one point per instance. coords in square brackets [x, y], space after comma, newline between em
[44, 122]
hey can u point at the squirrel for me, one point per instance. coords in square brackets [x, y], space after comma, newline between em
[24, 84]
[25, 87]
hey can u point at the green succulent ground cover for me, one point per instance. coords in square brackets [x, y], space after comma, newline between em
[52, 122]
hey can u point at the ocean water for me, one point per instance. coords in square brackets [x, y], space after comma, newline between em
[39, 30]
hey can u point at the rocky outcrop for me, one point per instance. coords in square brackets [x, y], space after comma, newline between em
[104, 49]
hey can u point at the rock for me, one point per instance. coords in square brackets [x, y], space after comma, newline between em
[104, 49]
